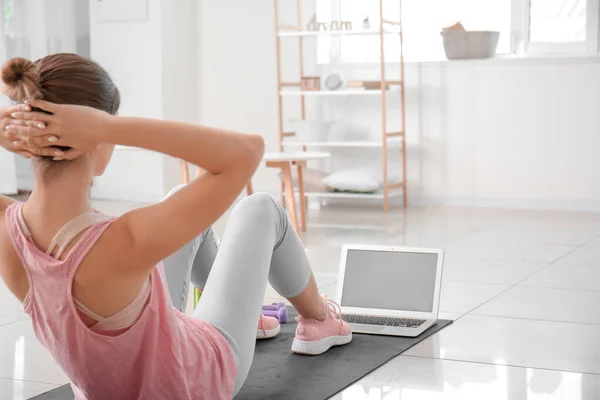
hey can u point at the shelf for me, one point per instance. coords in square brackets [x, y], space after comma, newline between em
[347, 92]
[381, 147]
[357, 32]
[338, 195]
[360, 144]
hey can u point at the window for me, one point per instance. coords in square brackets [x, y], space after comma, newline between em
[536, 26]
[35, 29]
[562, 26]
[557, 21]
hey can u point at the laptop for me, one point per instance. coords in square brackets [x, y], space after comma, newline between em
[385, 290]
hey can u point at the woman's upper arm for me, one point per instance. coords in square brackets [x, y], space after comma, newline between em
[147, 235]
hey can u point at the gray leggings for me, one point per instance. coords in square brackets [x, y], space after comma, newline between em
[259, 243]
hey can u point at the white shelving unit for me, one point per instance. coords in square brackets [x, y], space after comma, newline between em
[397, 141]
[342, 195]
[344, 92]
[330, 92]
[387, 87]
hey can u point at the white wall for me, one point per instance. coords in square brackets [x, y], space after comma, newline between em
[131, 52]
[236, 86]
[8, 177]
[179, 38]
[153, 63]
[133, 175]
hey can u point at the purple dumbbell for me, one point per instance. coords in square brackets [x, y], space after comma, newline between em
[281, 314]
[274, 306]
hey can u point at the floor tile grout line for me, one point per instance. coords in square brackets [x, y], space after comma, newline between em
[529, 241]
[533, 319]
[596, 236]
[490, 299]
[502, 260]
[543, 266]
[575, 249]
[496, 365]
[554, 262]
[477, 283]
[559, 288]
[574, 264]
[438, 244]
[12, 322]
[529, 276]
[506, 260]
[468, 312]
[453, 321]
[57, 385]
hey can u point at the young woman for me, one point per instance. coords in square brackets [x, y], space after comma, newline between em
[95, 287]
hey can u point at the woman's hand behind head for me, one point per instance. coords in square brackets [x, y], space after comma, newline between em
[79, 128]
[10, 142]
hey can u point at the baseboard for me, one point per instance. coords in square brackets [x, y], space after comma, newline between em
[518, 204]
[126, 195]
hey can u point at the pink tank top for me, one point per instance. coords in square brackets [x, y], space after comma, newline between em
[116, 322]
[164, 355]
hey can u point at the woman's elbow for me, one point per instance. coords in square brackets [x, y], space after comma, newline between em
[256, 148]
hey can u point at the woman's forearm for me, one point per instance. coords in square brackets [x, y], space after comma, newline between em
[212, 149]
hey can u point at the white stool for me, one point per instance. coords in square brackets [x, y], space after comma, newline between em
[285, 162]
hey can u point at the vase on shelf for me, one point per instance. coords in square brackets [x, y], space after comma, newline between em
[366, 23]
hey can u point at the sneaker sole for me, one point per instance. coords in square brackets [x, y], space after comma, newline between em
[314, 348]
[266, 334]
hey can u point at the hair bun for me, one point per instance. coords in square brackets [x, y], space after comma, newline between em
[21, 79]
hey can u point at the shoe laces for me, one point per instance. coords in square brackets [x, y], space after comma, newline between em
[332, 310]
[261, 323]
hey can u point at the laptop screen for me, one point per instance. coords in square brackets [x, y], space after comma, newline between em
[390, 280]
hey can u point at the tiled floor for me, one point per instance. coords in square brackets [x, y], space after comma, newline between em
[523, 287]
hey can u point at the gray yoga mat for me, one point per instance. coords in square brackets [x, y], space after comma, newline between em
[277, 373]
[61, 393]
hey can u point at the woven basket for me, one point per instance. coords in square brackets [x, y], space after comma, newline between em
[461, 45]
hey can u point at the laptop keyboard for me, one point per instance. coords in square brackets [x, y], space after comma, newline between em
[383, 321]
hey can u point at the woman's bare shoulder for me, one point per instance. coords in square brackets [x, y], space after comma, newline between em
[11, 270]
[5, 202]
